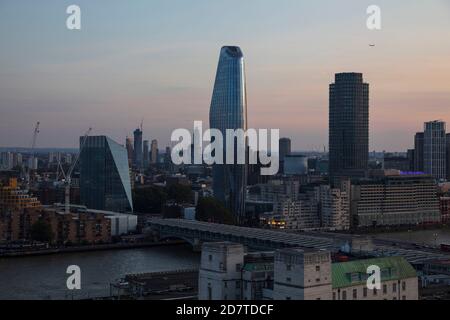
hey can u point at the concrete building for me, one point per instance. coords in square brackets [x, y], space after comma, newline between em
[302, 275]
[335, 206]
[220, 271]
[435, 150]
[391, 198]
[398, 280]
[227, 272]
[154, 152]
[444, 207]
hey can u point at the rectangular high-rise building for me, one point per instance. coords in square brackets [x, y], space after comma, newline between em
[349, 125]
[138, 158]
[146, 156]
[154, 152]
[435, 149]
[104, 175]
[418, 152]
[448, 155]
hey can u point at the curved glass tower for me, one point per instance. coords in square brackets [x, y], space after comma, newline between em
[229, 111]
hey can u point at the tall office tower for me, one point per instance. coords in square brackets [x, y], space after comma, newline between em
[137, 156]
[349, 125]
[154, 152]
[418, 152]
[229, 111]
[285, 148]
[435, 149]
[130, 150]
[448, 155]
[104, 175]
[411, 158]
[146, 160]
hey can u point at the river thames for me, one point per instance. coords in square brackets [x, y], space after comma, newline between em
[44, 277]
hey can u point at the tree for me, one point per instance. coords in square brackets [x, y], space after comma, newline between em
[179, 192]
[149, 199]
[41, 231]
[211, 210]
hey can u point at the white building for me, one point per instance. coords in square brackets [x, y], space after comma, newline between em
[228, 273]
[220, 271]
[302, 275]
[335, 206]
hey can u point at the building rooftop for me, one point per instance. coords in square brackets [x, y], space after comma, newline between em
[346, 274]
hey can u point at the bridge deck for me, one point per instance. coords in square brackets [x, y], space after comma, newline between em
[325, 241]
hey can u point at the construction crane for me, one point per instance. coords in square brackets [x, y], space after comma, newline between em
[31, 160]
[68, 176]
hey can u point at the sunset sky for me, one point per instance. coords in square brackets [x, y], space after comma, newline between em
[156, 59]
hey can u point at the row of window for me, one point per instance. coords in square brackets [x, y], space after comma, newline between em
[374, 292]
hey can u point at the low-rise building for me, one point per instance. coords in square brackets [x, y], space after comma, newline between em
[394, 199]
[227, 272]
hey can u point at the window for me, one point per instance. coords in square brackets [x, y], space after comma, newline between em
[384, 288]
[375, 292]
[288, 267]
[404, 286]
[364, 292]
[344, 295]
[238, 284]
[318, 280]
[317, 268]
[394, 287]
[355, 294]
[288, 279]
[225, 284]
[404, 298]
[210, 257]
[334, 295]
[238, 267]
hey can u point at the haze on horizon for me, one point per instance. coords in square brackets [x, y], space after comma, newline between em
[156, 60]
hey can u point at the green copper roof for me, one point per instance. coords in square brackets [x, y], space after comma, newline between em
[346, 274]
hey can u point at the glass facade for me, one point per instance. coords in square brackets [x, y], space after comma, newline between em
[349, 125]
[229, 111]
[104, 175]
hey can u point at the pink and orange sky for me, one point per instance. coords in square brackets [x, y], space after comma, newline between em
[157, 60]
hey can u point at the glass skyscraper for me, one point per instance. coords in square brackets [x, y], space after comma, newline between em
[104, 175]
[349, 125]
[138, 157]
[435, 149]
[229, 111]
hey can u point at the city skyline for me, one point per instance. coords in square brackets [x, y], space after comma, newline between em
[72, 81]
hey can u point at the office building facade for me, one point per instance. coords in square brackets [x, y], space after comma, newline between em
[138, 158]
[349, 125]
[229, 111]
[435, 150]
[105, 176]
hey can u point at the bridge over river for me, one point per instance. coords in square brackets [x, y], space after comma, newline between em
[197, 232]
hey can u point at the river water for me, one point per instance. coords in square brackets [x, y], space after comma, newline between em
[44, 277]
